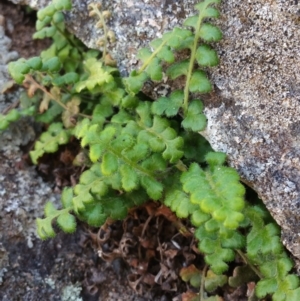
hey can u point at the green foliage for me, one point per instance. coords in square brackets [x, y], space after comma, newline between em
[140, 150]
[130, 155]
[196, 277]
[97, 75]
[168, 106]
[50, 140]
[215, 196]
[163, 50]
[5, 120]
[194, 120]
[64, 219]
[265, 249]
[42, 73]
[241, 275]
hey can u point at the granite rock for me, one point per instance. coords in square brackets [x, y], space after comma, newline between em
[254, 115]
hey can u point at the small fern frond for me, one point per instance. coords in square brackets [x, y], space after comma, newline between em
[177, 199]
[214, 194]
[265, 250]
[124, 156]
[63, 218]
[195, 120]
[163, 50]
[217, 240]
[277, 281]
[50, 140]
[98, 74]
[11, 116]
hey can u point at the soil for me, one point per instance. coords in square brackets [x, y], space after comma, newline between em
[19, 27]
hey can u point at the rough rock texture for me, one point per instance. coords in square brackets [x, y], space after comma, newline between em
[254, 115]
[5, 56]
[135, 23]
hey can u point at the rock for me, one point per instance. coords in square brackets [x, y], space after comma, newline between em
[135, 23]
[23, 193]
[254, 113]
[5, 57]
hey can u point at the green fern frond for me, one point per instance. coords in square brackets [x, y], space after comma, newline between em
[63, 218]
[11, 116]
[195, 120]
[97, 75]
[123, 156]
[217, 240]
[50, 140]
[164, 50]
[90, 187]
[135, 82]
[168, 106]
[160, 137]
[177, 199]
[217, 192]
[277, 281]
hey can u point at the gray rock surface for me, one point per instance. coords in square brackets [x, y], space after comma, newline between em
[254, 114]
[5, 56]
[135, 23]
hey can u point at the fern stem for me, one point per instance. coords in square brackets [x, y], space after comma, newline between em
[100, 15]
[67, 38]
[12, 106]
[153, 55]
[181, 166]
[192, 61]
[246, 260]
[129, 162]
[30, 79]
[201, 292]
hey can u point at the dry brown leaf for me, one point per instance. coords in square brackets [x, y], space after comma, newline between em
[135, 283]
[44, 103]
[69, 116]
[190, 296]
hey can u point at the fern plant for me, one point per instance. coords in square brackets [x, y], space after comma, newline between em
[140, 149]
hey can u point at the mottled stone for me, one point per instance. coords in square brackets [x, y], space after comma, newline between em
[5, 57]
[254, 114]
[135, 23]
